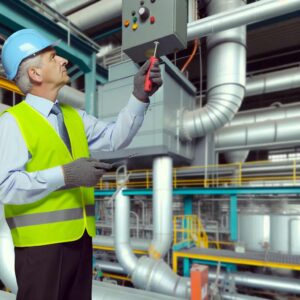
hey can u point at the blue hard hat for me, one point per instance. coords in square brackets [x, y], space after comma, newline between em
[21, 45]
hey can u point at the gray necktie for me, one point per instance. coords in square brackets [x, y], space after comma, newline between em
[56, 110]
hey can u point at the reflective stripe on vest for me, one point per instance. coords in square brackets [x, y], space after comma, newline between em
[50, 217]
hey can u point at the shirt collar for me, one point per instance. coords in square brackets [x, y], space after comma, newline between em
[42, 105]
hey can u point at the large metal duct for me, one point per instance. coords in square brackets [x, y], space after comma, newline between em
[249, 14]
[63, 6]
[146, 273]
[226, 77]
[273, 82]
[162, 208]
[71, 96]
[96, 14]
[262, 135]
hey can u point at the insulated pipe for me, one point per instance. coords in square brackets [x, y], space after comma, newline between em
[96, 14]
[226, 77]
[108, 266]
[286, 285]
[229, 296]
[262, 135]
[246, 279]
[124, 253]
[264, 114]
[162, 208]
[108, 241]
[106, 291]
[273, 82]
[249, 14]
[146, 273]
[63, 6]
[71, 96]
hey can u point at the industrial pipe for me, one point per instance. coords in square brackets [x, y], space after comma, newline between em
[162, 208]
[273, 82]
[108, 241]
[263, 135]
[226, 78]
[258, 281]
[146, 273]
[249, 14]
[124, 252]
[96, 14]
[273, 112]
[63, 6]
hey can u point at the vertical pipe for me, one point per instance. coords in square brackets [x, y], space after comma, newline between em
[162, 207]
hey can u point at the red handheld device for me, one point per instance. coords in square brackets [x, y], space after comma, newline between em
[153, 59]
[148, 82]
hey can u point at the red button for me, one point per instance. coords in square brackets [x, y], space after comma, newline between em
[152, 19]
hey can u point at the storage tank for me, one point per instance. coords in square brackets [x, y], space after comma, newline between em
[254, 227]
[285, 228]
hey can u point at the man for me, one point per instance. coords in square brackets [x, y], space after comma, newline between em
[46, 175]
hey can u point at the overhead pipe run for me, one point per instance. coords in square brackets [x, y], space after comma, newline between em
[146, 273]
[262, 135]
[226, 77]
[249, 14]
[64, 6]
[96, 14]
[273, 82]
[274, 112]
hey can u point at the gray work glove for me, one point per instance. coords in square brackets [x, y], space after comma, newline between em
[84, 172]
[139, 81]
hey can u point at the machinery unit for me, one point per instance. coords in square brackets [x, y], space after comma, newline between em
[159, 132]
[153, 20]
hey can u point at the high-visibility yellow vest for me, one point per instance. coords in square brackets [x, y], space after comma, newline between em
[63, 215]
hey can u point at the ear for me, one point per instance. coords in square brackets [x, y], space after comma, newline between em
[35, 74]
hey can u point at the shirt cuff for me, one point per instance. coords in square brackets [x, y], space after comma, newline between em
[54, 177]
[137, 107]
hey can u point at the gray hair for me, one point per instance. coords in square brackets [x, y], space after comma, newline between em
[22, 78]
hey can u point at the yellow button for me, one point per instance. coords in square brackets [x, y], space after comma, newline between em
[126, 23]
[135, 26]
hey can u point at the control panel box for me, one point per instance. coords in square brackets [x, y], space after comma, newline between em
[146, 21]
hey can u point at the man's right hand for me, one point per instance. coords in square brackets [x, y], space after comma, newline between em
[84, 172]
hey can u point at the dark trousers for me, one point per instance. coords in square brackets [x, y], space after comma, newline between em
[55, 272]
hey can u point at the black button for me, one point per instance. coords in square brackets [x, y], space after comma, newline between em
[133, 13]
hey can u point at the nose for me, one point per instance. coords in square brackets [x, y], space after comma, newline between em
[63, 61]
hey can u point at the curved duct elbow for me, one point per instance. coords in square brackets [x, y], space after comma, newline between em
[226, 78]
[162, 207]
[156, 275]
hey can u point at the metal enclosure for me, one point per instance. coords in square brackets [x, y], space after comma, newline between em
[159, 132]
[144, 22]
